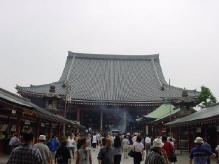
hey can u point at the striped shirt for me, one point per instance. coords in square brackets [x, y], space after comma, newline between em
[25, 154]
[155, 157]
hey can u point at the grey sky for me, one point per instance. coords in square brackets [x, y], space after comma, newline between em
[35, 36]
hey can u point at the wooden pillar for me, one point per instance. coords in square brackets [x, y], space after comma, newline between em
[63, 130]
[78, 114]
[189, 139]
[177, 137]
[59, 132]
[18, 127]
[37, 131]
[101, 120]
[50, 131]
[205, 132]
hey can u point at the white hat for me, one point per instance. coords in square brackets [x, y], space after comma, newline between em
[157, 143]
[42, 137]
[199, 140]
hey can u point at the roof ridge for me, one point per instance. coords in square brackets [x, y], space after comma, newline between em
[189, 90]
[35, 86]
[112, 56]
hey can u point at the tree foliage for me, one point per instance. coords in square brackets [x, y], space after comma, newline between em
[206, 97]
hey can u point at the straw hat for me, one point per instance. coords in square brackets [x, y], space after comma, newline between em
[158, 143]
[42, 138]
[199, 140]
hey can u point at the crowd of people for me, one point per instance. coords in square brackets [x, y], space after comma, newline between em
[111, 149]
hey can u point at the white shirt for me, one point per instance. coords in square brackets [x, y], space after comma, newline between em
[94, 140]
[138, 147]
[98, 137]
[70, 142]
[125, 141]
[148, 140]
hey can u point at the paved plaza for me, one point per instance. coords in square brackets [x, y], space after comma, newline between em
[182, 159]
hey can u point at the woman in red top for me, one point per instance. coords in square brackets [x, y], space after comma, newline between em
[168, 147]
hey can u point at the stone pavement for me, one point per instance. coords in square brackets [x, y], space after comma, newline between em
[182, 159]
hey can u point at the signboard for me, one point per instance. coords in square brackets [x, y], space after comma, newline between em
[27, 122]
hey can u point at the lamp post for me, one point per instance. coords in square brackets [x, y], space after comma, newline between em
[67, 99]
[170, 104]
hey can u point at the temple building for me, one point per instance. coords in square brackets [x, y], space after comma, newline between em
[106, 92]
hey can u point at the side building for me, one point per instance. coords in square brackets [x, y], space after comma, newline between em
[106, 91]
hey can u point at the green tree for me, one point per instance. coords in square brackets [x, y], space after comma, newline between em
[206, 97]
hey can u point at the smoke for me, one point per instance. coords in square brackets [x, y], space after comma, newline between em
[116, 114]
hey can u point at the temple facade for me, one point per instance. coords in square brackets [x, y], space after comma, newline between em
[106, 92]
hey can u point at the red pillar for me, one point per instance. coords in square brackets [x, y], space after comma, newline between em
[78, 114]
[37, 131]
[18, 127]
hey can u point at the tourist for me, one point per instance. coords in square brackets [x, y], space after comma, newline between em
[71, 145]
[130, 140]
[94, 141]
[199, 153]
[138, 149]
[208, 147]
[103, 142]
[83, 154]
[171, 141]
[217, 151]
[98, 138]
[89, 140]
[78, 136]
[156, 156]
[125, 146]
[53, 146]
[26, 152]
[168, 147]
[62, 155]
[134, 137]
[117, 150]
[147, 144]
[44, 150]
[106, 154]
[14, 141]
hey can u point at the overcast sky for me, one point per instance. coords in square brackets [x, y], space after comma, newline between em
[35, 36]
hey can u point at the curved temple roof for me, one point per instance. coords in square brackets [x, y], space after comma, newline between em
[112, 78]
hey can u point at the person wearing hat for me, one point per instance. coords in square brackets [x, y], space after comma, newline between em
[44, 150]
[199, 153]
[156, 155]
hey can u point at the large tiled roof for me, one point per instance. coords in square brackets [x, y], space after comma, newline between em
[112, 78]
[204, 114]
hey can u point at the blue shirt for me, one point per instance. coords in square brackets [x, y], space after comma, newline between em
[53, 145]
[200, 155]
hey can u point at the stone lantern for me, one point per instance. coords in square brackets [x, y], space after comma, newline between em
[51, 100]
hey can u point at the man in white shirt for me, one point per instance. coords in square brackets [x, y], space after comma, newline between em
[147, 144]
[71, 144]
[125, 146]
[94, 141]
[98, 138]
[44, 150]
